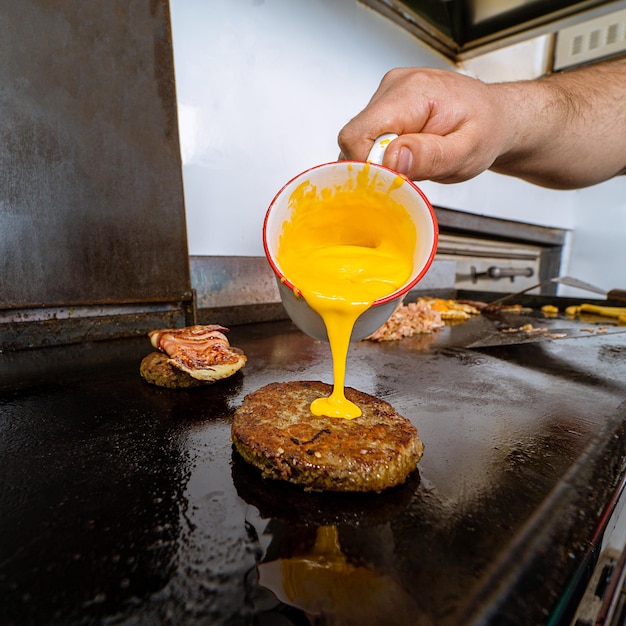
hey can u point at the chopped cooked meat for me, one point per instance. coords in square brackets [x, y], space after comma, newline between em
[425, 316]
[409, 319]
[203, 352]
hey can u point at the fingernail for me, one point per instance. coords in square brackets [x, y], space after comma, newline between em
[405, 160]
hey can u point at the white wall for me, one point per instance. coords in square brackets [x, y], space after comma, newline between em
[265, 85]
[263, 88]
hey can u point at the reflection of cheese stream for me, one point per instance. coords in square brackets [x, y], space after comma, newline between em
[343, 249]
[312, 580]
[322, 582]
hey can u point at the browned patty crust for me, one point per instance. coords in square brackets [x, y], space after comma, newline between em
[275, 431]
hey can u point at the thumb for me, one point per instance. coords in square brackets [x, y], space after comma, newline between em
[424, 156]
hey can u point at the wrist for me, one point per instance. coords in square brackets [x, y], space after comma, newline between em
[529, 113]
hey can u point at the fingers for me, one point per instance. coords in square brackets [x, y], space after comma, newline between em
[392, 109]
[357, 138]
[446, 159]
[447, 124]
[389, 111]
[423, 156]
[355, 144]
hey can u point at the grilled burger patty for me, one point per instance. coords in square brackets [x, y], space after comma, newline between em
[275, 431]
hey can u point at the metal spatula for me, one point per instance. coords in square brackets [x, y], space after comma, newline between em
[613, 294]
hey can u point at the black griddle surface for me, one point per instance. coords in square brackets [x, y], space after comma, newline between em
[123, 503]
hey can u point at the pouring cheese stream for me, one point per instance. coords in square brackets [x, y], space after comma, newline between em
[343, 249]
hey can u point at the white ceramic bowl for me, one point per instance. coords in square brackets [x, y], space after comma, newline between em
[332, 175]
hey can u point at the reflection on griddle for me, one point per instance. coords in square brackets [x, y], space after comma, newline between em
[290, 503]
[332, 555]
[539, 358]
[327, 584]
[100, 479]
[207, 402]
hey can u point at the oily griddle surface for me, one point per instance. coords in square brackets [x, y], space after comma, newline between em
[122, 502]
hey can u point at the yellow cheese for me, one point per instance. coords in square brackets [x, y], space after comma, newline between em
[343, 249]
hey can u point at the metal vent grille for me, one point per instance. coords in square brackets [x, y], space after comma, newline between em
[592, 40]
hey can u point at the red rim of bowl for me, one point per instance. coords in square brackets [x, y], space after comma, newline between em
[392, 296]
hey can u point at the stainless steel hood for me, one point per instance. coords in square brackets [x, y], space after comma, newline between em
[463, 28]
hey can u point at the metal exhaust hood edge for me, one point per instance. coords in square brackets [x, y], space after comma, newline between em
[460, 30]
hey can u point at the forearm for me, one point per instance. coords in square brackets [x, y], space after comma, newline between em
[566, 130]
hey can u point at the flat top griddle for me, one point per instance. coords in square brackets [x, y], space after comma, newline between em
[124, 503]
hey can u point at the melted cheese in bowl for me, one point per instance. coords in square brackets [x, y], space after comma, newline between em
[343, 249]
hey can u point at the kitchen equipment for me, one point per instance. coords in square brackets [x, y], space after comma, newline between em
[93, 235]
[326, 179]
[462, 30]
[121, 502]
[528, 324]
[517, 337]
[541, 331]
[613, 294]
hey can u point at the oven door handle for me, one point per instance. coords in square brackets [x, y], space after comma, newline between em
[496, 273]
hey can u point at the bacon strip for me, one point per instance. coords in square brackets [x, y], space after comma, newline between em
[201, 351]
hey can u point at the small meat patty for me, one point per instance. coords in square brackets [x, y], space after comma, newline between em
[275, 431]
